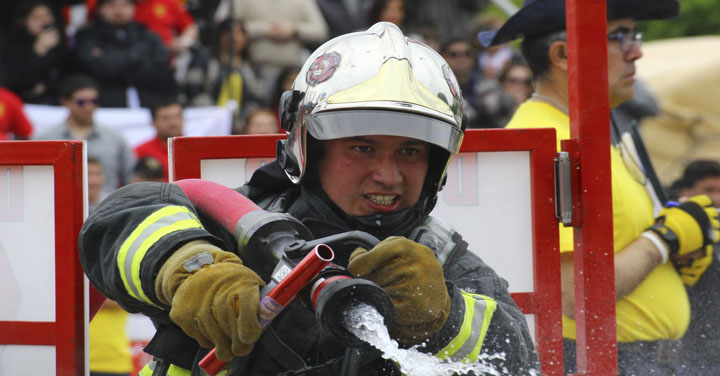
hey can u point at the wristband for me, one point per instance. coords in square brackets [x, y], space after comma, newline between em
[662, 248]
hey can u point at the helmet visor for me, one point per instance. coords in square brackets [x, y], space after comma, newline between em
[351, 123]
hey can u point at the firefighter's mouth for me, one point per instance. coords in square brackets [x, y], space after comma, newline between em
[384, 200]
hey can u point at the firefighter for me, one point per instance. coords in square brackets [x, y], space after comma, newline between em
[372, 121]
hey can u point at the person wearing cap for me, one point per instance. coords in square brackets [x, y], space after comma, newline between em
[360, 155]
[654, 256]
[148, 169]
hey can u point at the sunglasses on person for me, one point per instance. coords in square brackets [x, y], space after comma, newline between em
[626, 39]
[83, 101]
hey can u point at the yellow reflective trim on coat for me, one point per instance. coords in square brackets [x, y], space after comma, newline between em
[173, 370]
[177, 371]
[467, 344]
[490, 307]
[160, 223]
[147, 370]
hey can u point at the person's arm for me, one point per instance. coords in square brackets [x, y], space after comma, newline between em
[106, 61]
[187, 30]
[146, 248]
[465, 308]
[678, 235]
[507, 331]
[118, 264]
[632, 264]
[187, 38]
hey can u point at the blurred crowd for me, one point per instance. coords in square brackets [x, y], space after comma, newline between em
[168, 55]
[237, 53]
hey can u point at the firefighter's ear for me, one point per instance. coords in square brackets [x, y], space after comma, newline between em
[557, 53]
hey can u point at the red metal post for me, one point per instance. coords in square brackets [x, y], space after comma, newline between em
[589, 127]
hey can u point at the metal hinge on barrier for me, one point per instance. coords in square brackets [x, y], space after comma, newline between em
[563, 188]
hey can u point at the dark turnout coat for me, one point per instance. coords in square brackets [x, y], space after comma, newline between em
[134, 226]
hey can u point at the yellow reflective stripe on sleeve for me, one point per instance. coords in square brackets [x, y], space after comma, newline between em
[160, 223]
[467, 344]
[173, 370]
[148, 369]
[177, 371]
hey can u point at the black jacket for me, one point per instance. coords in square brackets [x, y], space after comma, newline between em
[122, 57]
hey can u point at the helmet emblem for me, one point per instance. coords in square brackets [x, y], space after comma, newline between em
[450, 79]
[322, 68]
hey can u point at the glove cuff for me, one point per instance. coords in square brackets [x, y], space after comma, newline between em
[667, 235]
[188, 259]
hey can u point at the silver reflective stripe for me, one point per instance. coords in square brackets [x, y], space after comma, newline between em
[198, 261]
[475, 330]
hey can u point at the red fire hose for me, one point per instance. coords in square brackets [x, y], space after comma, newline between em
[228, 208]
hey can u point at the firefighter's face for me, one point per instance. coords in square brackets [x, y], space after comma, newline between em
[374, 174]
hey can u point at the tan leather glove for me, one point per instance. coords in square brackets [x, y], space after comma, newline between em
[212, 297]
[413, 278]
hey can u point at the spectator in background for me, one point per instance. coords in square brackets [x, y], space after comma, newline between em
[179, 32]
[344, 16]
[129, 61]
[170, 20]
[283, 83]
[392, 11]
[262, 121]
[486, 103]
[109, 342]
[35, 53]
[697, 355]
[95, 182]
[148, 169]
[453, 17]
[431, 36]
[493, 60]
[280, 31]
[228, 79]
[167, 118]
[14, 125]
[79, 94]
[517, 82]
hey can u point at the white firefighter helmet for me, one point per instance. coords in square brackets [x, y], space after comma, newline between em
[375, 82]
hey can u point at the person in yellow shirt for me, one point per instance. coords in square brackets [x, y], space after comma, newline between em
[109, 342]
[651, 302]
